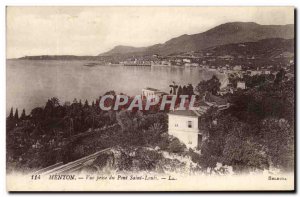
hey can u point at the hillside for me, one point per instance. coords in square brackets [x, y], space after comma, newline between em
[271, 51]
[267, 48]
[235, 32]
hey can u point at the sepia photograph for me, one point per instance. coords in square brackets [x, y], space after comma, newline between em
[150, 98]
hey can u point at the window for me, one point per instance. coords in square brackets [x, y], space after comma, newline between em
[190, 124]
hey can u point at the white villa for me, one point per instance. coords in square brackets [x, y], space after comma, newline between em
[151, 93]
[184, 124]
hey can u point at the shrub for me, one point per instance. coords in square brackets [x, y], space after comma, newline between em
[147, 159]
[176, 146]
[125, 162]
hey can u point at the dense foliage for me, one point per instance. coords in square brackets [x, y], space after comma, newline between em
[255, 133]
[67, 132]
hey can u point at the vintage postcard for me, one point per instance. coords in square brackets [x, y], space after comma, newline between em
[150, 98]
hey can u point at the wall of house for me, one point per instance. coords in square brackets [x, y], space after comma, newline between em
[178, 127]
[151, 95]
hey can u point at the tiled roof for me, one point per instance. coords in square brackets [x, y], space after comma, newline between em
[202, 110]
[183, 113]
[151, 89]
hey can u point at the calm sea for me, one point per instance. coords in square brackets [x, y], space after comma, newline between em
[30, 83]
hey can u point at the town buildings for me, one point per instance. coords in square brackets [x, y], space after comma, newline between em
[241, 85]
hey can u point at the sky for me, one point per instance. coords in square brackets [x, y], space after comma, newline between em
[94, 30]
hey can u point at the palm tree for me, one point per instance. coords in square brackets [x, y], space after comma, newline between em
[173, 88]
[153, 132]
[54, 101]
[156, 127]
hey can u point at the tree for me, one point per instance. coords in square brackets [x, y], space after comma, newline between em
[51, 106]
[54, 101]
[231, 142]
[75, 100]
[255, 81]
[37, 114]
[127, 121]
[152, 135]
[212, 85]
[23, 115]
[10, 123]
[16, 117]
[279, 77]
[190, 90]
[243, 154]
[278, 137]
[70, 125]
[184, 90]
[86, 104]
[156, 128]
[11, 114]
[209, 154]
[173, 87]
[179, 92]
[91, 118]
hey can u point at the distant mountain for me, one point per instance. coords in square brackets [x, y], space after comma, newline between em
[120, 49]
[235, 32]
